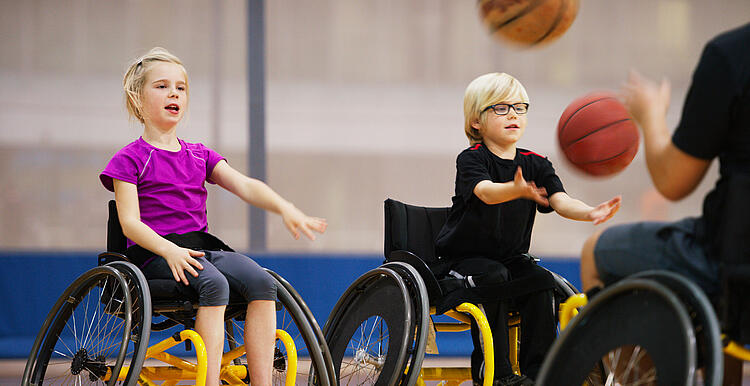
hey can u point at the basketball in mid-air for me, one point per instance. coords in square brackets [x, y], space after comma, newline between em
[528, 23]
[597, 135]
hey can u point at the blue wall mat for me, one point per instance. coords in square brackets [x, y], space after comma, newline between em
[32, 281]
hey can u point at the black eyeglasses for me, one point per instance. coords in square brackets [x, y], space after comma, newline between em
[504, 108]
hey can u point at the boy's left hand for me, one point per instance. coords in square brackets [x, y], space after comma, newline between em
[297, 221]
[605, 210]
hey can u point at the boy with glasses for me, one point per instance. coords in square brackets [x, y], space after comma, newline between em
[499, 188]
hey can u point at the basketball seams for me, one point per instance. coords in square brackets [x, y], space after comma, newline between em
[565, 125]
[555, 23]
[595, 131]
[532, 6]
[629, 148]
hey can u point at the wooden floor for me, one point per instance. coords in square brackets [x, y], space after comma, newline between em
[12, 370]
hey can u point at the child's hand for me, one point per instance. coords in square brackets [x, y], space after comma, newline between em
[529, 190]
[181, 260]
[605, 210]
[297, 221]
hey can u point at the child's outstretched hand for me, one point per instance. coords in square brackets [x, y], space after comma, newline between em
[182, 259]
[297, 221]
[529, 190]
[605, 210]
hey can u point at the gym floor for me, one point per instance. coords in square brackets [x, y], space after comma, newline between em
[12, 370]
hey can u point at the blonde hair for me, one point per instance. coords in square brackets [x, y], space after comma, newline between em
[135, 78]
[487, 90]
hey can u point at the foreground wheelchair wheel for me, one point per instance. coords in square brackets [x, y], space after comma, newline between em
[704, 322]
[421, 311]
[316, 375]
[370, 328]
[291, 318]
[87, 336]
[634, 333]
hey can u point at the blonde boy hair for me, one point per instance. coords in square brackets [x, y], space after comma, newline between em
[487, 90]
[135, 78]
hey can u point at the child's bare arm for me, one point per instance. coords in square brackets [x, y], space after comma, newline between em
[179, 259]
[498, 192]
[574, 209]
[257, 193]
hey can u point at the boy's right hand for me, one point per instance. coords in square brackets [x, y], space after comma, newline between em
[529, 190]
[182, 259]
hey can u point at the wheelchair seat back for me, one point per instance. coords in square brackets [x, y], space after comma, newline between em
[410, 234]
[731, 249]
[116, 241]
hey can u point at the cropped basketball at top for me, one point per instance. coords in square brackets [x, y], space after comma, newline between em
[597, 135]
[528, 23]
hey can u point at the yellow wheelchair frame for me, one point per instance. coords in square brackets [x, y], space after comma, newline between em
[179, 369]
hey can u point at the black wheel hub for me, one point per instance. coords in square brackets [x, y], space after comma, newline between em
[279, 362]
[79, 361]
[95, 366]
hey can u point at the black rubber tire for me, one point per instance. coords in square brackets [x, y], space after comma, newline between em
[101, 327]
[377, 302]
[704, 320]
[313, 376]
[141, 328]
[633, 312]
[421, 311]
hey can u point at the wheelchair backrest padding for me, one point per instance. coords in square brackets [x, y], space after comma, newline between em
[413, 228]
[116, 241]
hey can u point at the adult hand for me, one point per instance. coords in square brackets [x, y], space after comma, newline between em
[645, 99]
[529, 190]
[182, 259]
[605, 210]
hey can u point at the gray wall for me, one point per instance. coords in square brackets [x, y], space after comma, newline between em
[364, 102]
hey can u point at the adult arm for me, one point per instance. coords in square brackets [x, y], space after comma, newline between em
[675, 174]
[178, 258]
[257, 193]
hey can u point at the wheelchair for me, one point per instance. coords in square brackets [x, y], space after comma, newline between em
[378, 331]
[669, 331]
[98, 331]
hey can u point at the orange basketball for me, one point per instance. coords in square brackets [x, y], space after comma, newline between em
[528, 22]
[597, 135]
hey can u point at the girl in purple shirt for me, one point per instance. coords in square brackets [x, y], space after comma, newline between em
[159, 184]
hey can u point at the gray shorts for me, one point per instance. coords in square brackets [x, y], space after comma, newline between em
[222, 272]
[626, 249]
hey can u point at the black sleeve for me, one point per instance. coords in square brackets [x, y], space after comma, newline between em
[546, 177]
[705, 116]
[471, 168]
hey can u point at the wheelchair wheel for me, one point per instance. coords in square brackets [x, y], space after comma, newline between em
[87, 334]
[370, 328]
[292, 319]
[141, 311]
[421, 311]
[635, 332]
[321, 342]
[704, 321]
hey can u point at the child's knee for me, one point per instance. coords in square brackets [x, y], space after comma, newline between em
[261, 287]
[213, 290]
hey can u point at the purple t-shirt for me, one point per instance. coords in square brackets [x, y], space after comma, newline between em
[171, 184]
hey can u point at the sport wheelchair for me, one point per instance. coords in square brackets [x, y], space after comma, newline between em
[98, 331]
[667, 328]
[378, 331]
